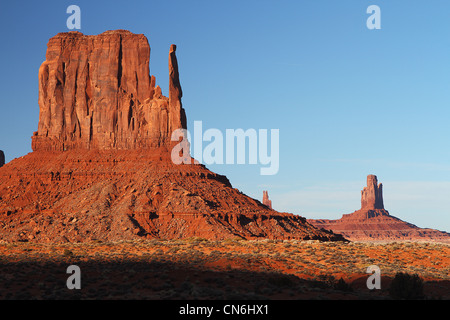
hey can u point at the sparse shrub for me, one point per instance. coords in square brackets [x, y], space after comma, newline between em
[280, 280]
[329, 280]
[196, 239]
[173, 250]
[232, 241]
[406, 286]
[67, 253]
[341, 285]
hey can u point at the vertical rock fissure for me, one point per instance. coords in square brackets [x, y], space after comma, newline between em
[74, 109]
[64, 73]
[91, 130]
[87, 92]
[119, 67]
[130, 113]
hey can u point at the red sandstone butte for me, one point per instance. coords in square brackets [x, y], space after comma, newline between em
[101, 167]
[373, 223]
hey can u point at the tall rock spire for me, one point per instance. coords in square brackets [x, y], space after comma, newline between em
[372, 195]
[175, 92]
[266, 200]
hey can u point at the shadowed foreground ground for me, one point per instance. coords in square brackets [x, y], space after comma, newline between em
[231, 270]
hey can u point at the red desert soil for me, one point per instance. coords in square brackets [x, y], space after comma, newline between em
[228, 269]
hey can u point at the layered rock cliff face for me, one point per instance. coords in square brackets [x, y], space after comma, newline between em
[95, 92]
[373, 222]
[101, 167]
[372, 195]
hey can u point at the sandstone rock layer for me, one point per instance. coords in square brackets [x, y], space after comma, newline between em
[373, 223]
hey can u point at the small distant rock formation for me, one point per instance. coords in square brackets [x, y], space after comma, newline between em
[2, 158]
[266, 200]
[373, 223]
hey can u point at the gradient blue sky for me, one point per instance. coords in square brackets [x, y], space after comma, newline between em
[348, 101]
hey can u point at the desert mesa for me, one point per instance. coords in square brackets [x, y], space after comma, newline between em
[101, 168]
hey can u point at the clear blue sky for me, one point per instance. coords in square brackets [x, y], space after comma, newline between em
[348, 101]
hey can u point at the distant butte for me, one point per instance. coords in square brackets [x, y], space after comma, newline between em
[373, 223]
[101, 167]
